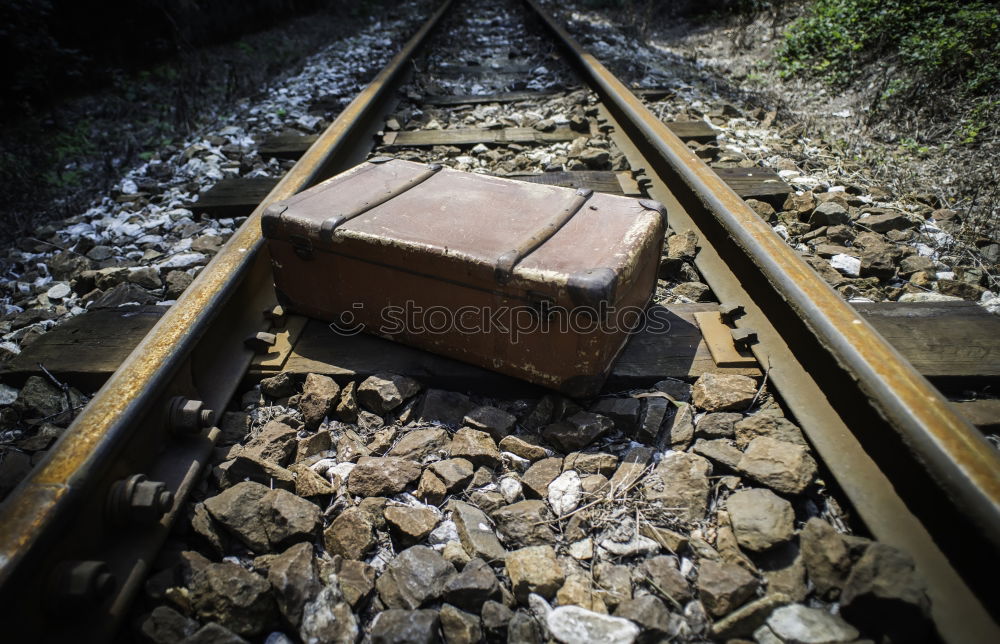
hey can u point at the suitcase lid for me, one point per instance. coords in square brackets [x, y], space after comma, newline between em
[477, 229]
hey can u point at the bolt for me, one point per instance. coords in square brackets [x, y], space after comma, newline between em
[743, 338]
[730, 312]
[81, 583]
[138, 500]
[188, 416]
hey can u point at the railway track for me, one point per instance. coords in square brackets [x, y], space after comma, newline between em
[916, 475]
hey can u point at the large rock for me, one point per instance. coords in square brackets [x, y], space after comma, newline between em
[723, 392]
[328, 618]
[459, 627]
[723, 587]
[410, 525]
[633, 465]
[309, 484]
[383, 392]
[476, 532]
[577, 431]
[526, 446]
[574, 625]
[746, 619]
[383, 476]
[454, 473]
[263, 518]
[430, 488]
[319, 395]
[565, 493]
[279, 386]
[415, 578]
[578, 590]
[761, 519]
[421, 445]
[660, 573]
[495, 422]
[312, 445]
[397, 626]
[798, 624]
[236, 598]
[651, 615]
[288, 519]
[525, 523]
[782, 466]
[718, 425]
[445, 407]
[294, 580]
[471, 588]
[347, 406]
[654, 412]
[524, 628]
[243, 468]
[495, 619]
[681, 430]
[623, 411]
[475, 446]
[826, 557]
[351, 534]
[356, 580]
[591, 463]
[616, 582]
[885, 597]
[40, 399]
[680, 483]
[829, 214]
[537, 477]
[534, 569]
[720, 451]
[765, 424]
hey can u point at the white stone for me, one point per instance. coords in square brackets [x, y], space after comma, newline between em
[323, 465]
[565, 493]
[990, 301]
[575, 625]
[183, 261]
[8, 394]
[511, 488]
[638, 546]
[445, 531]
[341, 470]
[582, 550]
[765, 635]
[929, 296]
[798, 624]
[59, 291]
[515, 462]
[846, 264]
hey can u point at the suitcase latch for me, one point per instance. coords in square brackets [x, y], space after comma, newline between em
[302, 245]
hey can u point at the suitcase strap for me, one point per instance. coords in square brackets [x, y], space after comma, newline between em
[504, 267]
[329, 226]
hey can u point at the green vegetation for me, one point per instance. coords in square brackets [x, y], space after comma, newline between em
[929, 46]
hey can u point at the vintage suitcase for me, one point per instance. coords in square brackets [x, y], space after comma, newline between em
[535, 281]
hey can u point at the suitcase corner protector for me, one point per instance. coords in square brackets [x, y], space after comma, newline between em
[590, 288]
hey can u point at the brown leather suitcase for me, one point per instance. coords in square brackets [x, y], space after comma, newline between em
[534, 281]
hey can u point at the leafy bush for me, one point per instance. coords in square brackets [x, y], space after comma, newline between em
[953, 45]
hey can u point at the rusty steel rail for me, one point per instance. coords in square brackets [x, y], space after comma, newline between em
[67, 571]
[895, 446]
